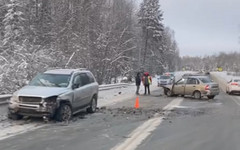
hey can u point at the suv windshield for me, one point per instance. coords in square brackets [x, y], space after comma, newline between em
[51, 80]
[205, 80]
[165, 77]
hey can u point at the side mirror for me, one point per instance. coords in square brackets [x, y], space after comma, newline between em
[74, 86]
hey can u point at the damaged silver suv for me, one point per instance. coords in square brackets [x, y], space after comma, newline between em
[56, 94]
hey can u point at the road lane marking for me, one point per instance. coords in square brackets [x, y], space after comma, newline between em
[236, 101]
[144, 130]
[18, 129]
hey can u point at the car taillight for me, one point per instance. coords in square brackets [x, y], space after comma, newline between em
[234, 83]
[207, 87]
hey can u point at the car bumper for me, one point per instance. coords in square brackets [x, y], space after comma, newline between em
[235, 89]
[32, 110]
[210, 93]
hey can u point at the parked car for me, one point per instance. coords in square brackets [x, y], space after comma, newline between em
[233, 86]
[56, 94]
[196, 86]
[164, 80]
[171, 74]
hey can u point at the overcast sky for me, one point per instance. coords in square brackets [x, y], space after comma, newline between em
[203, 27]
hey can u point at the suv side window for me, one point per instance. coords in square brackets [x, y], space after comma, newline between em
[91, 78]
[77, 80]
[84, 79]
[192, 81]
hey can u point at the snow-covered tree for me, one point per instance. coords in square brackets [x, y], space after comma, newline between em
[14, 26]
[150, 19]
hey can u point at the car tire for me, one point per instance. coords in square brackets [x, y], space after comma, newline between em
[64, 112]
[168, 92]
[165, 91]
[93, 105]
[14, 116]
[197, 95]
[211, 96]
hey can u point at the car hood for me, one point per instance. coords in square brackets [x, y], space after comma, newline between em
[43, 92]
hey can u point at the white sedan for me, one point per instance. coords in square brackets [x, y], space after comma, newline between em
[233, 86]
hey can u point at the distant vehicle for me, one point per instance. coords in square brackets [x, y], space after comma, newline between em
[233, 86]
[196, 86]
[171, 74]
[124, 80]
[164, 80]
[56, 94]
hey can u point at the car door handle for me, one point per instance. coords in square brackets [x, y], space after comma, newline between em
[182, 85]
[194, 86]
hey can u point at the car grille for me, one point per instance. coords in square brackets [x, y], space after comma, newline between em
[30, 100]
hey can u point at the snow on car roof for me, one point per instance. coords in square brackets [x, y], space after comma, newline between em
[62, 71]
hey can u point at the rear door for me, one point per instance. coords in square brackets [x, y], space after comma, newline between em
[78, 92]
[86, 88]
[179, 87]
[191, 86]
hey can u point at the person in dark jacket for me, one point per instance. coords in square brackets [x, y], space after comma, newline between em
[138, 82]
[147, 81]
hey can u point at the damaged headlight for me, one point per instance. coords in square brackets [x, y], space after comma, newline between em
[51, 100]
[14, 98]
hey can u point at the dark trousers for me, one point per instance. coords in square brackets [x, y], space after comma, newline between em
[138, 87]
[147, 88]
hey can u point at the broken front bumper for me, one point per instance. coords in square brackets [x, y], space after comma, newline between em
[40, 110]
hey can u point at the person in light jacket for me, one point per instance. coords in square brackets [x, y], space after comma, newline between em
[147, 81]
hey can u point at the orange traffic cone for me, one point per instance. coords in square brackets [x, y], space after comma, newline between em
[137, 103]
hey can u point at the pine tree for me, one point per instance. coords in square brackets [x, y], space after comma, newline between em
[150, 19]
[13, 23]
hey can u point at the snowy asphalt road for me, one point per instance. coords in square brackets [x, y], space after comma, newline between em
[191, 125]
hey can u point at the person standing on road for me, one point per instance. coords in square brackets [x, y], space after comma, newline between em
[147, 80]
[138, 82]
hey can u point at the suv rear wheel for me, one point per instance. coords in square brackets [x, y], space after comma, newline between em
[93, 106]
[64, 112]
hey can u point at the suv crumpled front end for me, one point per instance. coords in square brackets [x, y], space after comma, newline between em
[26, 104]
[34, 106]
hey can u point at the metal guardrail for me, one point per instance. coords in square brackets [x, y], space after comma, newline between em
[4, 98]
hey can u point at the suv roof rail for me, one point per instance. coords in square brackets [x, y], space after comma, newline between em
[82, 69]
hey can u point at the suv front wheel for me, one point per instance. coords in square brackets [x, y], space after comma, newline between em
[93, 106]
[64, 112]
